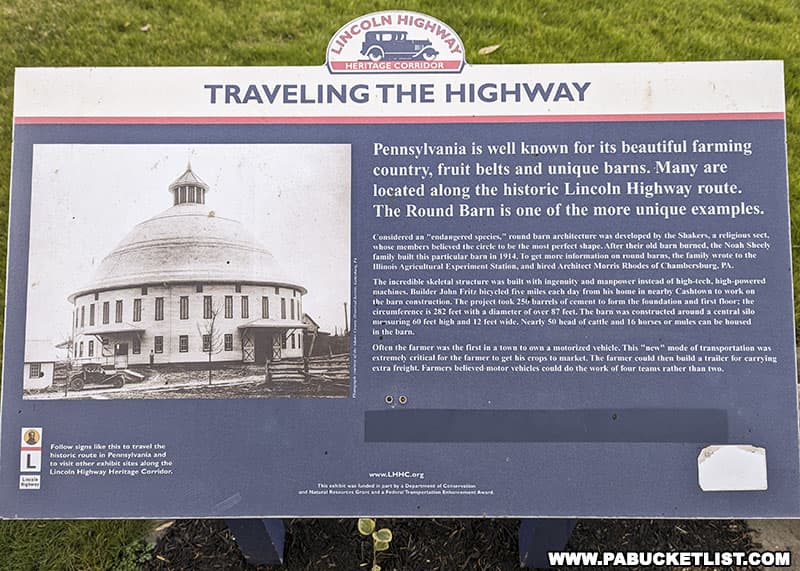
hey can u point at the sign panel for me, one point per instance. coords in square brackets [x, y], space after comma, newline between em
[398, 284]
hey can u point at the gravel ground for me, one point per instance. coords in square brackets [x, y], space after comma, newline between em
[433, 544]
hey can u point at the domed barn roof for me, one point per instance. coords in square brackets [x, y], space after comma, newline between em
[187, 243]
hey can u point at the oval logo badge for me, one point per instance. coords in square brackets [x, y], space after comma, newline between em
[395, 41]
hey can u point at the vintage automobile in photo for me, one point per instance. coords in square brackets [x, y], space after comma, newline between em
[395, 45]
[96, 374]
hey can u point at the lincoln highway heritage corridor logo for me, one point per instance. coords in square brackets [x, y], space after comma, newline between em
[395, 42]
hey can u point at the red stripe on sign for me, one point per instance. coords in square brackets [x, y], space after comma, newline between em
[31, 448]
[366, 66]
[755, 116]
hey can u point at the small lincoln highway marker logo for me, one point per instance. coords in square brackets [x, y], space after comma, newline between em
[30, 458]
[395, 42]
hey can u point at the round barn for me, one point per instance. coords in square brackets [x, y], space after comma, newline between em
[185, 285]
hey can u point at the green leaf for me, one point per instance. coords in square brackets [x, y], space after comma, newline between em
[366, 526]
[384, 534]
[381, 545]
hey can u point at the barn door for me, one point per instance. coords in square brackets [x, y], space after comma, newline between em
[248, 347]
[276, 346]
[121, 356]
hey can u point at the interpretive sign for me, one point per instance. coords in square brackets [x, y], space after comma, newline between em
[400, 284]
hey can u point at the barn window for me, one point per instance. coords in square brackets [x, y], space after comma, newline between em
[35, 371]
[228, 342]
[184, 307]
[158, 344]
[183, 343]
[159, 309]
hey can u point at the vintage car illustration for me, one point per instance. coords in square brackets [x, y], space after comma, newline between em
[395, 45]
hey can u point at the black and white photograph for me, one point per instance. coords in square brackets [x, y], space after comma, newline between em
[188, 271]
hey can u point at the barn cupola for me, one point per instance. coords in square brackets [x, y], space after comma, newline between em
[188, 188]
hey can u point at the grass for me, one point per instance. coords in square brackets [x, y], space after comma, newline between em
[251, 32]
[73, 545]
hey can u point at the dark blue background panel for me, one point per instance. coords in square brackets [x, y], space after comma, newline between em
[467, 442]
